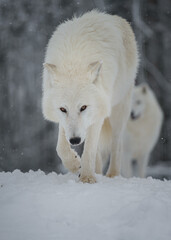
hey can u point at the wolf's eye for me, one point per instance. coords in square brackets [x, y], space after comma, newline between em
[83, 108]
[63, 110]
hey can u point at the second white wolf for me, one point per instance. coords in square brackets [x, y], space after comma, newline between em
[142, 132]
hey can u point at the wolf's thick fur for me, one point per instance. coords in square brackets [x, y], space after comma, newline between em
[142, 132]
[90, 61]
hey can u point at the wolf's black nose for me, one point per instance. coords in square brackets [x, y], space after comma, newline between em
[75, 141]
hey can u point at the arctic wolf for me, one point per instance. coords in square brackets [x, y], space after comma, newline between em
[89, 71]
[142, 132]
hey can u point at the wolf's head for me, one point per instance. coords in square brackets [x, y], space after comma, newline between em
[139, 101]
[75, 102]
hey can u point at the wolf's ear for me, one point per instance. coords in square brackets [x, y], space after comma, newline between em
[94, 70]
[144, 88]
[52, 71]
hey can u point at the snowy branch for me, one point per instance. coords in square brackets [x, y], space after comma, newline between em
[158, 76]
[140, 24]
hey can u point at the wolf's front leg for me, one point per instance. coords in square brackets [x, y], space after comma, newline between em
[69, 157]
[116, 157]
[89, 155]
[118, 119]
[98, 168]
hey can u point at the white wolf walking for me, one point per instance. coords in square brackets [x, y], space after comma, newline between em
[142, 132]
[89, 71]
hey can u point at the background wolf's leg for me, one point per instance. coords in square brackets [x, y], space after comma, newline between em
[69, 157]
[89, 154]
[127, 168]
[142, 165]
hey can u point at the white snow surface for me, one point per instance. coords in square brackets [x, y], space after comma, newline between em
[36, 206]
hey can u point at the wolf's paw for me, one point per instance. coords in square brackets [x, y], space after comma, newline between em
[74, 164]
[112, 175]
[87, 179]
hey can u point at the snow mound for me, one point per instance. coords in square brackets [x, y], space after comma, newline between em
[36, 206]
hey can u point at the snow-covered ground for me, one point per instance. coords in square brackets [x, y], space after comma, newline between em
[35, 206]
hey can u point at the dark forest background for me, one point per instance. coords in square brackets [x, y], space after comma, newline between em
[27, 141]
